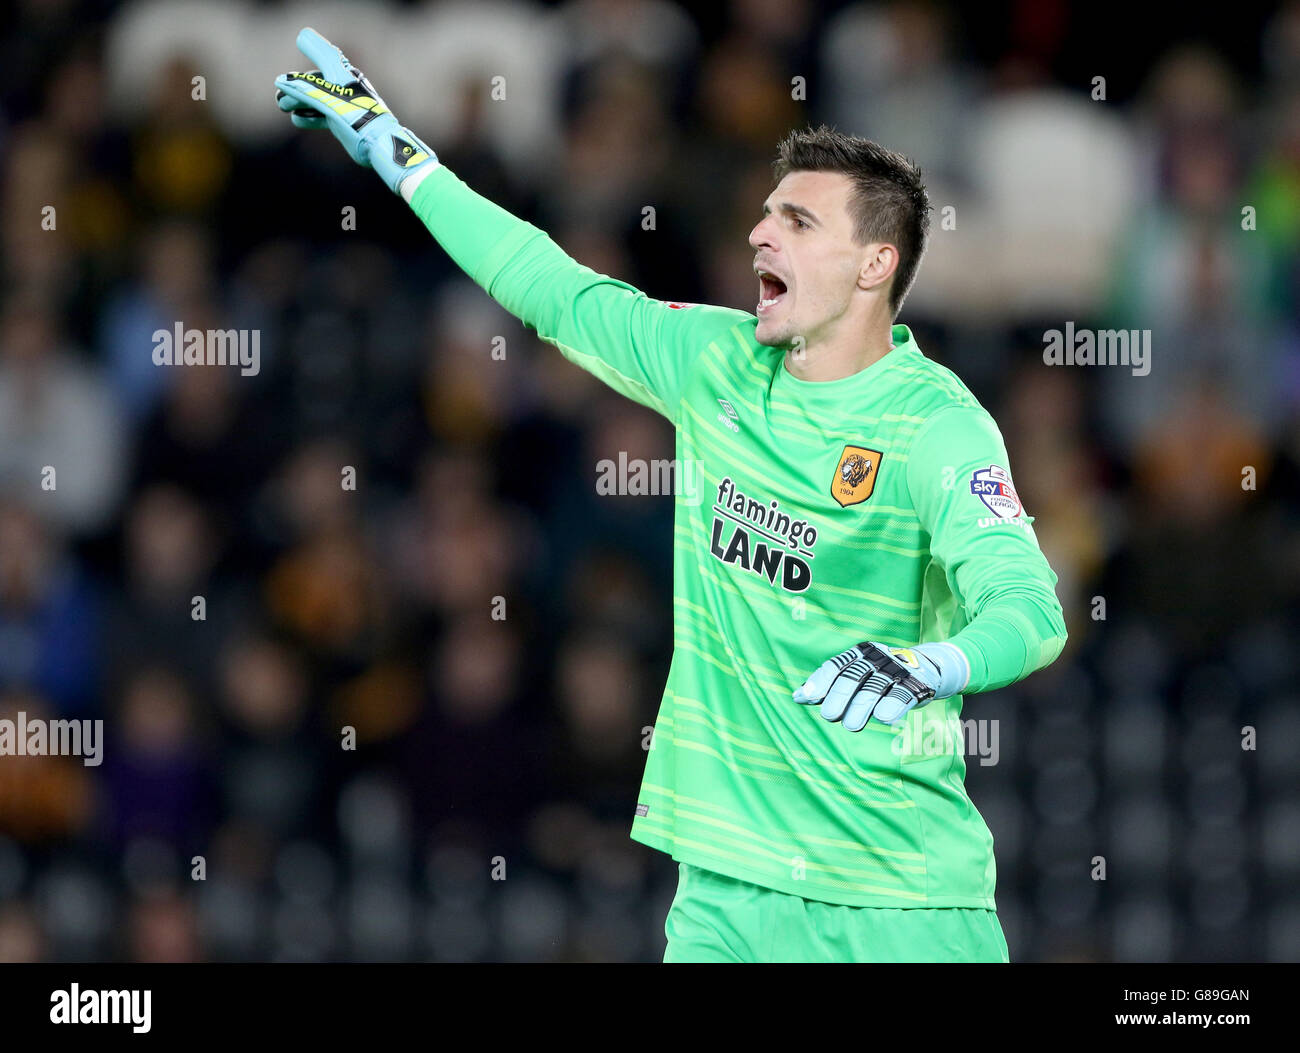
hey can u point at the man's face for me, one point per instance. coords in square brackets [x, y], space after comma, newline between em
[807, 261]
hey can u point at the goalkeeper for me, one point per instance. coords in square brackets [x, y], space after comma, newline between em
[860, 561]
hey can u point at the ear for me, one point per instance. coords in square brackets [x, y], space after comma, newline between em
[878, 265]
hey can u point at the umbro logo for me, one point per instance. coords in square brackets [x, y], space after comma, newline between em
[728, 416]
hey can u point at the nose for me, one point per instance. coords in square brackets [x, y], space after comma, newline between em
[761, 236]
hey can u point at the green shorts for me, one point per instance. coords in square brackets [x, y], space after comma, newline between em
[719, 919]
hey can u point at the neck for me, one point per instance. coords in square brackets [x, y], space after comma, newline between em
[837, 359]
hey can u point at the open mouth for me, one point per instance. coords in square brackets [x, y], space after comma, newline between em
[771, 290]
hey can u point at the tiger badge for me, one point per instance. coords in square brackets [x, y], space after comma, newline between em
[855, 475]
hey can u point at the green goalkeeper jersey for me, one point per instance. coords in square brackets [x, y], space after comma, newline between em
[809, 516]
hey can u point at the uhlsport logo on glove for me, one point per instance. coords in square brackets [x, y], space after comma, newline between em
[905, 655]
[338, 96]
[330, 86]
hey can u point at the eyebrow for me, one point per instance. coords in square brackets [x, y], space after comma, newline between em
[792, 210]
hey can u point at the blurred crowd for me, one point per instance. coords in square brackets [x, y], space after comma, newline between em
[495, 634]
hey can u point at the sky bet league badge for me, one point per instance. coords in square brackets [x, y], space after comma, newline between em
[992, 485]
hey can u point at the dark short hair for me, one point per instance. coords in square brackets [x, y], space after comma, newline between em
[888, 202]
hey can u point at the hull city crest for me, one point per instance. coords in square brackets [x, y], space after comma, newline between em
[855, 475]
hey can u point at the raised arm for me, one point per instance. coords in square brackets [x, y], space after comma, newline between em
[643, 348]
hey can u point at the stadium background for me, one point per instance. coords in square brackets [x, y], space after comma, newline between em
[522, 739]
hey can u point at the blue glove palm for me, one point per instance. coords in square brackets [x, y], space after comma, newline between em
[338, 96]
[871, 680]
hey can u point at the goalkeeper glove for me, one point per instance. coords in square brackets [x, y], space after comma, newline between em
[338, 96]
[885, 682]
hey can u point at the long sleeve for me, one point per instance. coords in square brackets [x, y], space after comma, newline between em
[642, 347]
[1009, 621]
